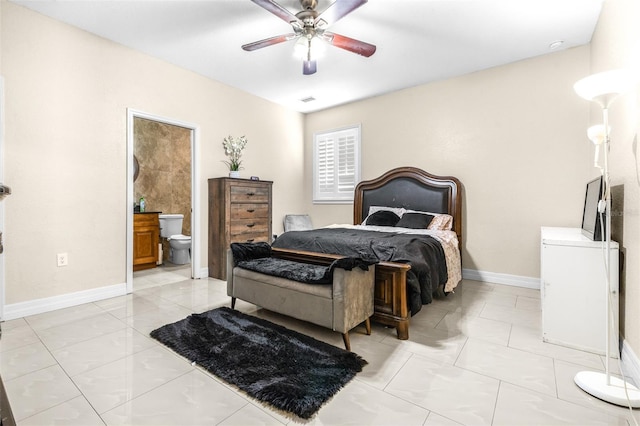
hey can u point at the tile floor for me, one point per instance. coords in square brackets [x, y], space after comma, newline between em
[473, 358]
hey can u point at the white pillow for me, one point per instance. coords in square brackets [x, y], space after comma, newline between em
[397, 210]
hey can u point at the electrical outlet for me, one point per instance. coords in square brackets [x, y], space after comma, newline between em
[63, 259]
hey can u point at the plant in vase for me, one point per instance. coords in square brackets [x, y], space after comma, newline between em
[233, 149]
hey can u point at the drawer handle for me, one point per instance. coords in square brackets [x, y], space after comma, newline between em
[250, 210]
[250, 240]
[250, 225]
[251, 194]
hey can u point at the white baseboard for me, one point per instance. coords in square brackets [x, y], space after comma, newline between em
[497, 278]
[630, 363]
[38, 306]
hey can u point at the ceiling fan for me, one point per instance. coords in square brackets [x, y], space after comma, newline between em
[309, 26]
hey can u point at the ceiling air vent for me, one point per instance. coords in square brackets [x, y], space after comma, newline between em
[308, 99]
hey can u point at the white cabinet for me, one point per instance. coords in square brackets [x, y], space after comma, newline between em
[573, 289]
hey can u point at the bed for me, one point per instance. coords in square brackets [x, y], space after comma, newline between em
[414, 264]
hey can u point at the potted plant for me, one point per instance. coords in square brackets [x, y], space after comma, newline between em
[233, 149]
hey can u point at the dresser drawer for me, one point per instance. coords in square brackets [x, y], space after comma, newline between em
[249, 194]
[246, 226]
[256, 237]
[249, 211]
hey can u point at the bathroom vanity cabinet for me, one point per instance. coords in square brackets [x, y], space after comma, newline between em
[146, 237]
[239, 212]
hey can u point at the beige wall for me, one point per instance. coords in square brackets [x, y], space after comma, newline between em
[616, 44]
[67, 94]
[514, 135]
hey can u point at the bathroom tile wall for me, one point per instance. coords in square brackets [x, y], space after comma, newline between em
[164, 157]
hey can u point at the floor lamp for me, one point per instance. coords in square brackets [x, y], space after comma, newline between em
[603, 88]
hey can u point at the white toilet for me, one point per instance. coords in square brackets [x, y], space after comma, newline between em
[171, 229]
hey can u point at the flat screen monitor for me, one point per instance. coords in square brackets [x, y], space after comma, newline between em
[593, 222]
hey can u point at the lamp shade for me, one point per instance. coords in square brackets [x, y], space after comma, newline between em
[596, 134]
[605, 86]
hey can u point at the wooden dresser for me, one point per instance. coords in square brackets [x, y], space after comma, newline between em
[146, 236]
[239, 211]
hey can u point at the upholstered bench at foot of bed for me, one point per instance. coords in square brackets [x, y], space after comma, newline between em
[339, 306]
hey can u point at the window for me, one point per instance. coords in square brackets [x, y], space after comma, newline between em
[336, 165]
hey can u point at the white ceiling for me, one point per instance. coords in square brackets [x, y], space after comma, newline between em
[418, 41]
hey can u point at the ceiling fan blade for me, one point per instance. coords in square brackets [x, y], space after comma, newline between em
[350, 44]
[277, 10]
[339, 9]
[268, 42]
[309, 67]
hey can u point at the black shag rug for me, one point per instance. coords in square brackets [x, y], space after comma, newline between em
[288, 370]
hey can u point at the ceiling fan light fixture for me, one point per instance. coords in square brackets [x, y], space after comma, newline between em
[309, 31]
[301, 48]
[308, 49]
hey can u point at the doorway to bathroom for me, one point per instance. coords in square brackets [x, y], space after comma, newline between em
[2, 279]
[162, 169]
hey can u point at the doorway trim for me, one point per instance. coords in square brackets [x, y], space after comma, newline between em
[195, 190]
[2, 228]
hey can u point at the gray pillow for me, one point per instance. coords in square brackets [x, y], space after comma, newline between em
[383, 218]
[415, 221]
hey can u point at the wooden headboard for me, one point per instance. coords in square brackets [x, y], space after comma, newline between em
[413, 189]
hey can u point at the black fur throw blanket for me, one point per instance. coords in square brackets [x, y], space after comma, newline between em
[257, 257]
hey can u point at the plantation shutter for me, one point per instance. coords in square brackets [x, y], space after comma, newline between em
[336, 165]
